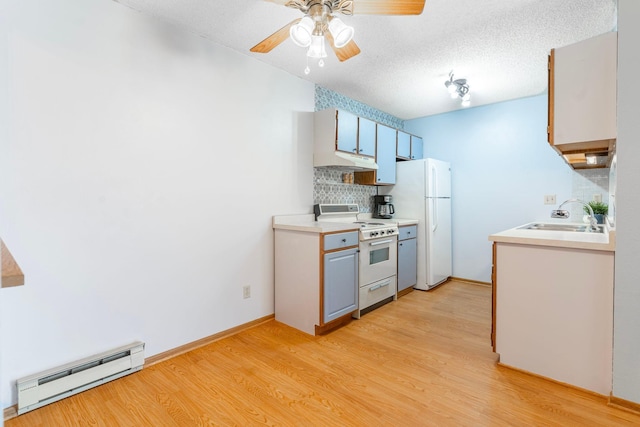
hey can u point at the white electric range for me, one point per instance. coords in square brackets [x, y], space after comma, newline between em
[378, 258]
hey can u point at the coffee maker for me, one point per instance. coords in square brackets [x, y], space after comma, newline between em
[383, 207]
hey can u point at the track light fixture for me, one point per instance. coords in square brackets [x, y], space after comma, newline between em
[458, 88]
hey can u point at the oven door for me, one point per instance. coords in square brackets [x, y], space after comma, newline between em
[378, 259]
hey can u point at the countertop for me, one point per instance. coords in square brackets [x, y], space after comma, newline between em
[405, 221]
[307, 223]
[563, 239]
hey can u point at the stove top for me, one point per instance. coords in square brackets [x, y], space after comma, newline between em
[348, 213]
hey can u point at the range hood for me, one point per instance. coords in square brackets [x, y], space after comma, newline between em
[343, 160]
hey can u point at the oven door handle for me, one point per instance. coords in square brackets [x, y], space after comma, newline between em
[382, 242]
[381, 285]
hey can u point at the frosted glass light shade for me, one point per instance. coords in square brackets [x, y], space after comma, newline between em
[316, 49]
[301, 32]
[342, 34]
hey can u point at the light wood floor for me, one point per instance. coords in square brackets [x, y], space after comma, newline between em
[424, 360]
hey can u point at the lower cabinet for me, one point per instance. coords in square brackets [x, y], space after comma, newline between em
[340, 273]
[316, 279]
[407, 259]
[553, 310]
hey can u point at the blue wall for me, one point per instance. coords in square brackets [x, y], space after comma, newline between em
[502, 166]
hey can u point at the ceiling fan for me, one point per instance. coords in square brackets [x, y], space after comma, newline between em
[320, 23]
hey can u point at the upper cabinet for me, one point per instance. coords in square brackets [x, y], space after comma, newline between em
[416, 148]
[404, 145]
[355, 134]
[366, 137]
[582, 101]
[410, 147]
[385, 158]
[343, 139]
[347, 131]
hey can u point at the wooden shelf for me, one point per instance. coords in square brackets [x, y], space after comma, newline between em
[11, 273]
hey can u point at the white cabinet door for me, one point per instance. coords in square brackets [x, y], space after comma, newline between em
[585, 90]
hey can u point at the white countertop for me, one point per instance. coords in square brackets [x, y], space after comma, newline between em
[307, 222]
[405, 221]
[565, 239]
[400, 221]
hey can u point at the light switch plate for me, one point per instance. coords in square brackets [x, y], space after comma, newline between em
[550, 199]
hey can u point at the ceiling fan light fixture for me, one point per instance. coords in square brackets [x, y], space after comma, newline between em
[301, 32]
[316, 49]
[342, 33]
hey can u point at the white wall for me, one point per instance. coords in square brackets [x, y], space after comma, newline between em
[4, 108]
[626, 349]
[142, 167]
[501, 167]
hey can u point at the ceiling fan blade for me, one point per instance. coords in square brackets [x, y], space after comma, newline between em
[388, 7]
[274, 39]
[351, 49]
[295, 4]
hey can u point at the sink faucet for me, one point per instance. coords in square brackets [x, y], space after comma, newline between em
[560, 213]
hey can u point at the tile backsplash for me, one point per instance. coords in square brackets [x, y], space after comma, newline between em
[327, 182]
[586, 185]
[325, 98]
[329, 188]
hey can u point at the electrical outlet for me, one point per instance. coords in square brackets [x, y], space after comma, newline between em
[550, 199]
[246, 292]
[597, 198]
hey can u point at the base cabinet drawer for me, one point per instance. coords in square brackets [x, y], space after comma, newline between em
[340, 240]
[377, 291]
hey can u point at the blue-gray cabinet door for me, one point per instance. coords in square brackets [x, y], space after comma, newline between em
[407, 264]
[366, 137]
[340, 284]
[386, 155]
[404, 145]
[347, 132]
[417, 148]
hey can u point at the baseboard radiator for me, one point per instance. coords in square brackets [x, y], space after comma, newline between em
[54, 384]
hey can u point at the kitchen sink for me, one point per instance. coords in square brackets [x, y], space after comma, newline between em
[562, 227]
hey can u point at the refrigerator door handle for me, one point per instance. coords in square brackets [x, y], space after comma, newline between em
[434, 182]
[434, 214]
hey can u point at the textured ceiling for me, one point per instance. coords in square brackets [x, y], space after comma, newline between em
[499, 46]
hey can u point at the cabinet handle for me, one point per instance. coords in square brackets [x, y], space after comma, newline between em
[344, 240]
[361, 150]
[400, 244]
[354, 150]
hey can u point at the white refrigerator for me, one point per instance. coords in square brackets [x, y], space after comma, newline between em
[423, 192]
